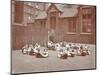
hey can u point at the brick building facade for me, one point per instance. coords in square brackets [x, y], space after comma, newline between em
[39, 22]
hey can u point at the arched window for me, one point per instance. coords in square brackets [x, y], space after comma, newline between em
[53, 20]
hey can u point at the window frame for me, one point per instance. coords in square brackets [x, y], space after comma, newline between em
[43, 23]
[74, 20]
[53, 20]
[86, 19]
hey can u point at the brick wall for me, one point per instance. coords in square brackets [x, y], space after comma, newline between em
[27, 34]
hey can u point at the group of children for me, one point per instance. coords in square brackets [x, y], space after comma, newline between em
[72, 51]
[35, 50]
[63, 49]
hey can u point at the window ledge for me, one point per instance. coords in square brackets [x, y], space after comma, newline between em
[71, 33]
[19, 24]
[86, 33]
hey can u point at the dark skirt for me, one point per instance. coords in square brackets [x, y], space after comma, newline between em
[83, 54]
[65, 56]
[38, 55]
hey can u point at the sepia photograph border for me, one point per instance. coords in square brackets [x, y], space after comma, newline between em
[59, 70]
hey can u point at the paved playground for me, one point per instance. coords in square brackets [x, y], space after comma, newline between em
[25, 63]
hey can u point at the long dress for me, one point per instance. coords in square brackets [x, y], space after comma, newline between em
[72, 53]
[24, 51]
[38, 55]
[45, 54]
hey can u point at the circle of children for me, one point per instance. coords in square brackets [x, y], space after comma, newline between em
[63, 49]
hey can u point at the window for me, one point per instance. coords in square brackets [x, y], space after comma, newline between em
[53, 20]
[86, 16]
[42, 24]
[86, 26]
[53, 14]
[72, 25]
[86, 10]
[86, 20]
[18, 14]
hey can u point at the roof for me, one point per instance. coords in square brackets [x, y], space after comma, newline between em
[86, 6]
[55, 6]
[59, 6]
[66, 11]
[41, 15]
[69, 12]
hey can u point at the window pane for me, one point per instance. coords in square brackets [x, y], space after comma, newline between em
[86, 26]
[72, 25]
[42, 24]
[52, 22]
[86, 20]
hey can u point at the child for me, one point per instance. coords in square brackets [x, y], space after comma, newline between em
[31, 49]
[38, 54]
[62, 54]
[45, 53]
[82, 51]
[25, 49]
[72, 53]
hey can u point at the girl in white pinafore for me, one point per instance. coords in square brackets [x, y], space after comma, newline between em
[25, 49]
[36, 47]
